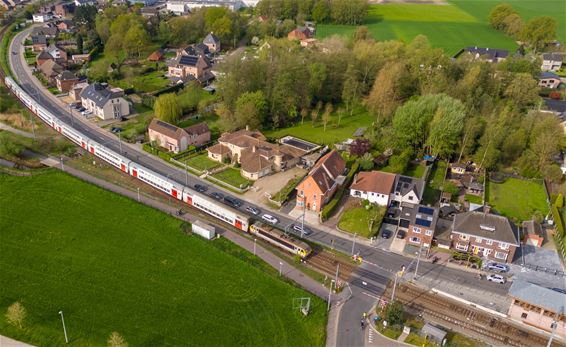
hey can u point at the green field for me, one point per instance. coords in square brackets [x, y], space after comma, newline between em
[357, 220]
[113, 265]
[458, 24]
[517, 199]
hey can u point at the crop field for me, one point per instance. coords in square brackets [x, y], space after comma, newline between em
[112, 264]
[458, 24]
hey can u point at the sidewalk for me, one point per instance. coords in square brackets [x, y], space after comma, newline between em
[6, 127]
[8, 342]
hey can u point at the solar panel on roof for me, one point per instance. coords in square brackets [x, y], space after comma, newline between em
[426, 210]
[167, 125]
[422, 222]
[188, 60]
[405, 179]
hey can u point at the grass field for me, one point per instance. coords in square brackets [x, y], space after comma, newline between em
[113, 265]
[435, 180]
[334, 133]
[202, 163]
[356, 220]
[453, 26]
[232, 177]
[517, 199]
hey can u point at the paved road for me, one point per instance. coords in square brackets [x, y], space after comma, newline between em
[379, 264]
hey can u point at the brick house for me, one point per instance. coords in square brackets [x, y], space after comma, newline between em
[75, 91]
[549, 80]
[374, 186]
[54, 53]
[484, 234]
[300, 33]
[190, 67]
[104, 102]
[212, 42]
[65, 25]
[421, 221]
[199, 134]
[322, 182]
[168, 136]
[64, 9]
[552, 61]
[538, 306]
[39, 42]
[50, 69]
[65, 81]
[156, 55]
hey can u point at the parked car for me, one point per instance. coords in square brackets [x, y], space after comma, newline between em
[217, 196]
[497, 267]
[252, 210]
[86, 113]
[270, 219]
[116, 130]
[386, 234]
[81, 109]
[233, 201]
[496, 278]
[298, 228]
[200, 188]
[401, 234]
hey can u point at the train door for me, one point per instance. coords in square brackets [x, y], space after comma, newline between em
[238, 224]
[123, 167]
[83, 144]
[174, 193]
[92, 149]
[189, 199]
[135, 173]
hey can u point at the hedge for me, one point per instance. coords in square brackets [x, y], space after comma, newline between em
[329, 208]
[558, 220]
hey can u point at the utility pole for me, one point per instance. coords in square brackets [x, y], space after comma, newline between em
[32, 125]
[139, 194]
[64, 328]
[337, 269]
[280, 268]
[303, 221]
[354, 243]
[394, 286]
[255, 240]
[120, 140]
[418, 260]
[329, 293]
[186, 173]
[72, 118]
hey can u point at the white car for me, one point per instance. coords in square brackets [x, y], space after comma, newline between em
[496, 279]
[270, 219]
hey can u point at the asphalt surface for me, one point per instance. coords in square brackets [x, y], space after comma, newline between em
[368, 283]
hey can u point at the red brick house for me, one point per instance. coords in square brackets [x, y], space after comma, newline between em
[65, 81]
[301, 33]
[199, 134]
[322, 182]
[421, 222]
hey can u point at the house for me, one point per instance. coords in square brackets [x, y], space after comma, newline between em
[407, 190]
[52, 52]
[148, 12]
[156, 55]
[421, 221]
[168, 136]
[533, 233]
[85, 2]
[196, 49]
[474, 187]
[433, 334]
[144, 2]
[552, 61]
[65, 81]
[50, 69]
[63, 10]
[49, 32]
[39, 43]
[321, 183]
[42, 57]
[484, 234]
[374, 186]
[42, 17]
[492, 55]
[199, 134]
[179, 8]
[75, 91]
[212, 42]
[549, 79]
[300, 33]
[105, 102]
[65, 25]
[80, 58]
[538, 306]
[256, 156]
[190, 67]
[458, 168]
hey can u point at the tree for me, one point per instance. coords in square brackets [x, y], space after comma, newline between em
[513, 25]
[523, 90]
[85, 17]
[446, 126]
[167, 108]
[16, 314]
[136, 40]
[10, 149]
[321, 11]
[251, 108]
[559, 201]
[394, 313]
[304, 113]
[315, 112]
[351, 90]
[387, 92]
[350, 12]
[498, 14]
[80, 43]
[362, 34]
[366, 162]
[545, 139]
[326, 116]
[116, 340]
[539, 31]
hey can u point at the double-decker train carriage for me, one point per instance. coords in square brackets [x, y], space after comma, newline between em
[280, 239]
[215, 209]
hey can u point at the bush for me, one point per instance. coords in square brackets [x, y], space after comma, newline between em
[394, 314]
[559, 201]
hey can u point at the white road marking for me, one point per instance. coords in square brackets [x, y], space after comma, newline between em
[373, 296]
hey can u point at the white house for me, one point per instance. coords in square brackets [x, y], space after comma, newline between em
[408, 190]
[552, 61]
[85, 2]
[42, 17]
[105, 102]
[374, 186]
[178, 7]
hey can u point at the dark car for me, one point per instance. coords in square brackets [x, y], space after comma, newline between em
[386, 234]
[200, 188]
[116, 130]
[217, 196]
[233, 201]
[401, 234]
[81, 109]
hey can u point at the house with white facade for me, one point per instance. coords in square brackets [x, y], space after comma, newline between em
[42, 17]
[374, 186]
[408, 190]
[552, 61]
[105, 102]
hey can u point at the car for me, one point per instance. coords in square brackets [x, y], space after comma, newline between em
[303, 231]
[200, 188]
[497, 267]
[252, 210]
[233, 201]
[116, 130]
[81, 109]
[401, 234]
[270, 219]
[217, 196]
[386, 234]
[496, 278]
[86, 113]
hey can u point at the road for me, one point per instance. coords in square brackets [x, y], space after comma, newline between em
[368, 282]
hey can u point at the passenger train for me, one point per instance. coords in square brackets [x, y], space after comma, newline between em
[189, 196]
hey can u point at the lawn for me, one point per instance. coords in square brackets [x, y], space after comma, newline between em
[134, 77]
[201, 162]
[356, 220]
[111, 264]
[434, 184]
[474, 199]
[232, 177]
[517, 199]
[334, 133]
[415, 170]
[450, 27]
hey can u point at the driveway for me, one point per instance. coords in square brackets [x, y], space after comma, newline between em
[272, 184]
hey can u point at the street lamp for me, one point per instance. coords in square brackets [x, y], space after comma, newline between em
[280, 268]
[255, 240]
[553, 326]
[329, 293]
[62, 166]
[64, 328]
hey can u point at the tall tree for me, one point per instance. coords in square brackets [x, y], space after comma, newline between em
[387, 92]
[321, 11]
[251, 108]
[539, 31]
[351, 91]
[351, 12]
[326, 115]
[136, 40]
[446, 126]
[523, 90]
[498, 14]
[167, 108]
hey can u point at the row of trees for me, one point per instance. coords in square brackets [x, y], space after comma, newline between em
[351, 12]
[423, 101]
[537, 32]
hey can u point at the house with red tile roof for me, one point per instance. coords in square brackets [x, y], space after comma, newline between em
[374, 186]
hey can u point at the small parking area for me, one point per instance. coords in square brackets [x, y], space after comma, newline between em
[382, 243]
[269, 185]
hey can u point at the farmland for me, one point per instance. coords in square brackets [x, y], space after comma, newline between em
[113, 265]
[451, 27]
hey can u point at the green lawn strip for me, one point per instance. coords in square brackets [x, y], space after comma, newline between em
[334, 133]
[434, 184]
[517, 199]
[474, 199]
[282, 194]
[232, 177]
[415, 170]
[112, 264]
[5, 49]
[357, 220]
[201, 162]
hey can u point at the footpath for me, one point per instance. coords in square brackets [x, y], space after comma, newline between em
[8, 342]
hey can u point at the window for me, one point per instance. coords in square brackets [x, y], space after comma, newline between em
[501, 255]
[489, 242]
[479, 240]
[461, 247]
[416, 230]
[415, 240]
[410, 198]
[524, 315]
[504, 246]
[428, 232]
[464, 237]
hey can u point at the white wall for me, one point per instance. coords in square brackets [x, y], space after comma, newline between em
[374, 198]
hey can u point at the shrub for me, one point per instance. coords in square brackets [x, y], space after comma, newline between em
[559, 201]
[394, 313]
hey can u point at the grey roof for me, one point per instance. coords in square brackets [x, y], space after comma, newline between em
[38, 39]
[486, 226]
[197, 49]
[431, 330]
[98, 93]
[404, 184]
[553, 56]
[211, 39]
[66, 76]
[492, 53]
[539, 296]
[548, 74]
[48, 31]
[555, 105]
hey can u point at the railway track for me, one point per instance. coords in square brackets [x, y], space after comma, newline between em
[327, 262]
[494, 329]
